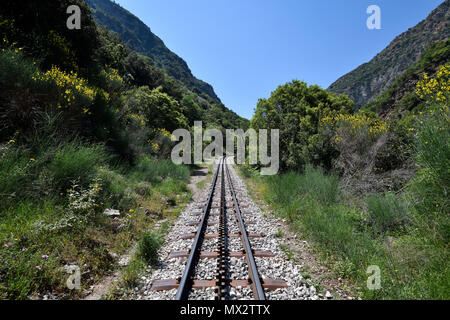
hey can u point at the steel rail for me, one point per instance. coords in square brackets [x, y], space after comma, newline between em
[222, 244]
[256, 285]
[186, 280]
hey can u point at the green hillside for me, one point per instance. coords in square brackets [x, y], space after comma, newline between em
[140, 38]
[400, 98]
[85, 126]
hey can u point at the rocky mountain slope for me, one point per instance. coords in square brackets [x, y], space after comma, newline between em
[369, 80]
[400, 97]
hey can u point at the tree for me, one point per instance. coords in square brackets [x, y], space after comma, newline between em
[296, 110]
[142, 73]
[191, 109]
[158, 109]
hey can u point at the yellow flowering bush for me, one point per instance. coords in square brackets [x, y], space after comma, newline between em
[155, 146]
[113, 81]
[435, 89]
[352, 124]
[72, 90]
[433, 136]
[355, 137]
[164, 132]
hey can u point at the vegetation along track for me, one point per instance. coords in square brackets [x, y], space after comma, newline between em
[223, 204]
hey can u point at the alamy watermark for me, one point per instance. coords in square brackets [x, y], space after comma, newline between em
[236, 140]
[74, 280]
[74, 20]
[374, 21]
[374, 280]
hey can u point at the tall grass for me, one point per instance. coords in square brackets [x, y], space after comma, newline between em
[38, 217]
[48, 171]
[387, 212]
[386, 231]
[153, 170]
[76, 162]
[313, 182]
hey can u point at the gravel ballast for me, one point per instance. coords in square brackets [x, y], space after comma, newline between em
[278, 267]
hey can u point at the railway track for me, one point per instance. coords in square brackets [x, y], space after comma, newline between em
[221, 246]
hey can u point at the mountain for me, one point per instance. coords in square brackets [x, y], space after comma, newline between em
[400, 97]
[369, 80]
[140, 38]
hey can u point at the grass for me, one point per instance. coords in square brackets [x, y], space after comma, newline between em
[153, 170]
[51, 213]
[279, 234]
[386, 230]
[75, 162]
[387, 212]
[287, 250]
[146, 254]
[148, 247]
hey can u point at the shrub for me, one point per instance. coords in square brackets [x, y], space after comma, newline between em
[387, 212]
[356, 137]
[432, 144]
[148, 247]
[19, 106]
[76, 162]
[27, 93]
[435, 89]
[14, 170]
[119, 191]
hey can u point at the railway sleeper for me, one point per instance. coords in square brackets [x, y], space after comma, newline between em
[188, 236]
[169, 284]
[215, 254]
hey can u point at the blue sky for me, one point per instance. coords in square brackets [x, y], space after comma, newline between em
[246, 48]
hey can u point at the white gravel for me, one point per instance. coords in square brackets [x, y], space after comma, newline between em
[278, 267]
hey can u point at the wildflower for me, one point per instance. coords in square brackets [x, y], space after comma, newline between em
[24, 250]
[32, 159]
[12, 141]
[7, 245]
[44, 256]
[38, 267]
[131, 211]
